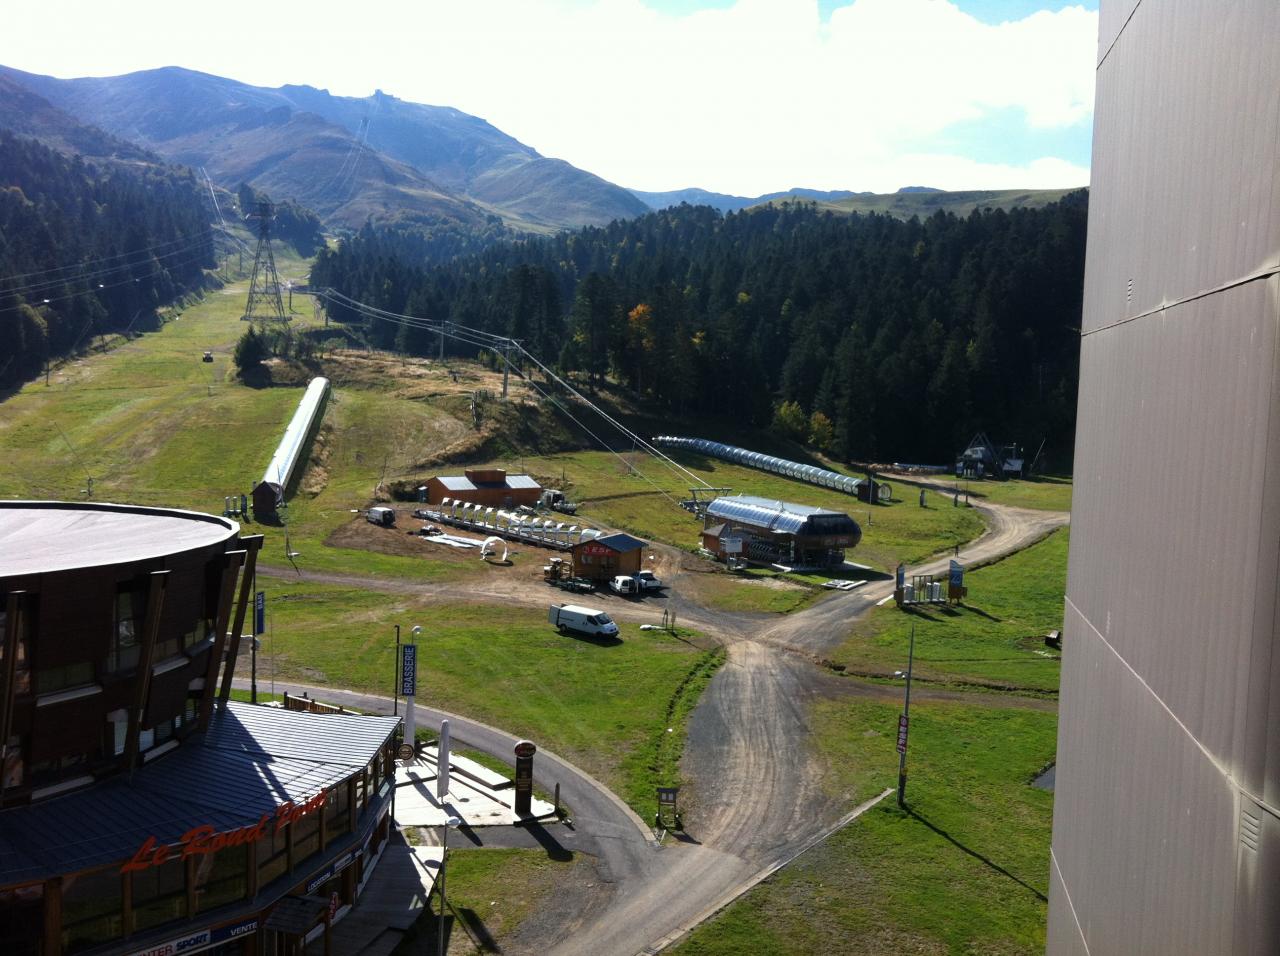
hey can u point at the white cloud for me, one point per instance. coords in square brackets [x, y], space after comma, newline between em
[758, 96]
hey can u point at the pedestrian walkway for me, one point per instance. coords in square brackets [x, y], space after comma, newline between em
[477, 795]
[393, 899]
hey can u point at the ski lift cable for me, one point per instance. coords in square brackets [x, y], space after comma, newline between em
[456, 331]
[100, 287]
[144, 252]
[662, 491]
[35, 288]
[616, 424]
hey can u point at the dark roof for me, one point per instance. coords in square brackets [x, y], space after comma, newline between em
[295, 915]
[252, 760]
[715, 530]
[618, 541]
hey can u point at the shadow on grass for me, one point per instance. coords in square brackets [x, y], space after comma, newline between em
[976, 855]
[599, 640]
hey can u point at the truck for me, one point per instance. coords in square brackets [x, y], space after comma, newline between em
[382, 517]
[582, 620]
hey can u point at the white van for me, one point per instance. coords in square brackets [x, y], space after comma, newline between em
[383, 517]
[624, 584]
[583, 620]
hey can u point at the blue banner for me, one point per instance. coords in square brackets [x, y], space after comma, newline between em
[259, 613]
[957, 575]
[408, 670]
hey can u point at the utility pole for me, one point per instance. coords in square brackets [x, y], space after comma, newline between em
[506, 366]
[903, 723]
[395, 687]
[442, 324]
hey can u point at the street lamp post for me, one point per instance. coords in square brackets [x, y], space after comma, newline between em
[444, 856]
[395, 687]
[903, 724]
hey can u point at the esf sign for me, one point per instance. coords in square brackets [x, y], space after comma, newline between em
[194, 942]
[409, 670]
[598, 550]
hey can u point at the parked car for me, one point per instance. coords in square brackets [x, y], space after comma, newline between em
[382, 517]
[625, 584]
[583, 620]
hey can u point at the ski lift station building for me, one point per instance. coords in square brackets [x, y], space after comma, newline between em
[491, 487]
[603, 558]
[770, 532]
[289, 460]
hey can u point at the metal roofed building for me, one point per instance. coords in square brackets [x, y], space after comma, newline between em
[289, 460]
[140, 809]
[1166, 834]
[781, 532]
[602, 558]
[491, 487]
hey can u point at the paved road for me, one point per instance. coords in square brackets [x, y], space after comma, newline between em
[756, 797]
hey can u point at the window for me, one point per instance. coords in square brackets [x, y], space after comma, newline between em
[22, 920]
[163, 731]
[50, 679]
[337, 806]
[126, 638]
[11, 771]
[159, 894]
[199, 631]
[117, 730]
[91, 909]
[306, 836]
[22, 670]
[273, 854]
[220, 877]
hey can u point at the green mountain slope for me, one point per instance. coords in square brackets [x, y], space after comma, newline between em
[905, 204]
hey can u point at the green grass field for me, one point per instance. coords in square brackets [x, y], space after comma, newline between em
[1044, 492]
[603, 707]
[490, 892]
[966, 871]
[995, 637]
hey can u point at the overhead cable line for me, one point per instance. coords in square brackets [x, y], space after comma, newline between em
[484, 339]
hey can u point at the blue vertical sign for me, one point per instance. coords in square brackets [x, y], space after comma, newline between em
[957, 575]
[408, 670]
[259, 613]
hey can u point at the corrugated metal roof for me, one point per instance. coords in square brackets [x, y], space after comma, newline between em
[621, 542]
[252, 760]
[782, 517]
[285, 460]
[456, 483]
[523, 482]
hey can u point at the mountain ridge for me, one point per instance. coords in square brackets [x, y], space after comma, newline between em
[348, 158]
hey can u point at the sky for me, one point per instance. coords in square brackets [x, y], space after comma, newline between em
[736, 96]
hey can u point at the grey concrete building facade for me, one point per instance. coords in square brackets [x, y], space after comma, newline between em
[1166, 834]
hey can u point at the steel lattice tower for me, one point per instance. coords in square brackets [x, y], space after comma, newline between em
[264, 303]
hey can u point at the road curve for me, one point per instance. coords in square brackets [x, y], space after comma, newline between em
[756, 796]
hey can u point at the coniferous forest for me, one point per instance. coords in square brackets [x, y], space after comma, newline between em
[874, 338]
[88, 249]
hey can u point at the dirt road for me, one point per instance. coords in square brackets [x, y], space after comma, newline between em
[756, 796]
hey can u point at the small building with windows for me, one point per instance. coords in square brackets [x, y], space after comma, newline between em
[141, 810]
[600, 559]
[765, 531]
[491, 487]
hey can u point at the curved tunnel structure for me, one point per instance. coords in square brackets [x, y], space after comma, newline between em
[779, 466]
